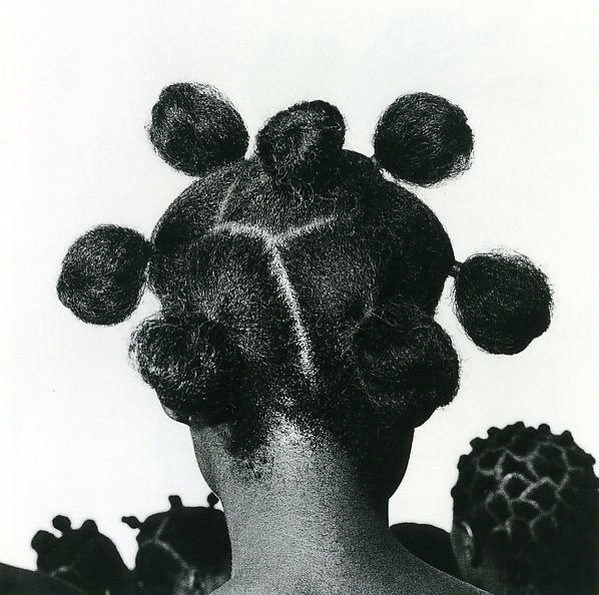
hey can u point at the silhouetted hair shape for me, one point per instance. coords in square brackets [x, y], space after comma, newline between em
[531, 499]
[300, 281]
[83, 557]
[180, 549]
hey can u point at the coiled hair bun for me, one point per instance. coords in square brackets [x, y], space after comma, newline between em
[188, 361]
[103, 274]
[195, 128]
[302, 143]
[406, 362]
[502, 300]
[423, 139]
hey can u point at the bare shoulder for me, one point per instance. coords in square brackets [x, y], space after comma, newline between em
[421, 579]
[18, 581]
[439, 583]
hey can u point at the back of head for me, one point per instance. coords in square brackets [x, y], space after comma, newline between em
[82, 557]
[185, 549]
[301, 282]
[530, 501]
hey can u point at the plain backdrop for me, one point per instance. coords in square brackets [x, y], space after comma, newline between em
[80, 434]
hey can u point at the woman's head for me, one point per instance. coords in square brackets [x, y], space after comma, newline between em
[300, 283]
[182, 550]
[526, 513]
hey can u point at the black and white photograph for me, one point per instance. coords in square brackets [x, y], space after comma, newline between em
[299, 297]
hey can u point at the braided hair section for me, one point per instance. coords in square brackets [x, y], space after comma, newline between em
[530, 497]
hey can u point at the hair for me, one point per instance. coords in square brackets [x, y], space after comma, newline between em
[300, 281]
[181, 548]
[531, 499]
[83, 557]
[423, 139]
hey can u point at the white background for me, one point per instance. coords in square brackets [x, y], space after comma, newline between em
[80, 434]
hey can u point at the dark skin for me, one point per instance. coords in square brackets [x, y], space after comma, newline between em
[306, 524]
[474, 566]
[17, 581]
[478, 566]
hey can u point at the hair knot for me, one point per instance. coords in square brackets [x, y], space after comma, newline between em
[302, 144]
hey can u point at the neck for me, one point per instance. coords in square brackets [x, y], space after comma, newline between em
[307, 515]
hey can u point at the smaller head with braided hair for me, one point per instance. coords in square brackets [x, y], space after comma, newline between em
[525, 511]
[183, 550]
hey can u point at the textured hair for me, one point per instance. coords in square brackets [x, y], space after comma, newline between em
[83, 557]
[531, 499]
[181, 550]
[300, 281]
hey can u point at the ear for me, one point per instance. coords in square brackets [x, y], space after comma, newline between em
[465, 545]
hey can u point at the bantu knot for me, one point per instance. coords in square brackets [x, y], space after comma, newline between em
[103, 274]
[62, 523]
[89, 528]
[502, 300]
[423, 139]
[185, 360]
[194, 128]
[407, 359]
[302, 143]
[43, 541]
[131, 521]
[175, 501]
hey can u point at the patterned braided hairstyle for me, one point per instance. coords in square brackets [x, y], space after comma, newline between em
[185, 549]
[530, 498]
[300, 281]
[84, 557]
